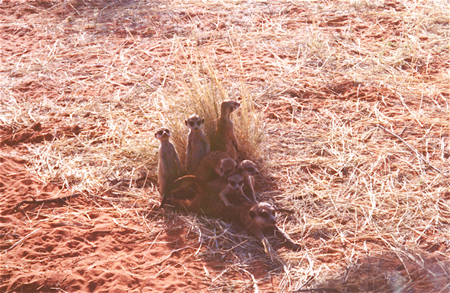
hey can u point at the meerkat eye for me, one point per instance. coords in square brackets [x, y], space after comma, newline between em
[240, 183]
[199, 123]
[252, 170]
[160, 132]
[192, 123]
[233, 183]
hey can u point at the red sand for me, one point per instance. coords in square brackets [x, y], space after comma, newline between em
[90, 252]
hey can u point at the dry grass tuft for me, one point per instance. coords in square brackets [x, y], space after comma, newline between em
[201, 92]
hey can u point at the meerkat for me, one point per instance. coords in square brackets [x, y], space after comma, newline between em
[169, 167]
[247, 169]
[198, 144]
[215, 165]
[212, 196]
[224, 138]
[261, 217]
[188, 193]
[233, 194]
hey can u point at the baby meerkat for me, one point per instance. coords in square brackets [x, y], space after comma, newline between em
[233, 194]
[214, 165]
[169, 167]
[227, 167]
[224, 138]
[247, 169]
[198, 144]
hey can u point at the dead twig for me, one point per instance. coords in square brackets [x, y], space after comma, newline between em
[45, 201]
[144, 177]
[322, 290]
[310, 278]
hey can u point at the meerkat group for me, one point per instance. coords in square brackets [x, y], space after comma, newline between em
[216, 184]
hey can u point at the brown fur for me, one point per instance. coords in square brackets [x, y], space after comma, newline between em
[215, 165]
[224, 138]
[232, 193]
[169, 167]
[193, 195]
[247, 169]
[198, 144]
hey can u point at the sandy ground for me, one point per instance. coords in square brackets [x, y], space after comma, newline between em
[91, 244]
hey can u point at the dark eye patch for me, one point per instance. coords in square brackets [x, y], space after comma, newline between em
[199, 123]
[191, 123]
[233, 183]
[240, 183]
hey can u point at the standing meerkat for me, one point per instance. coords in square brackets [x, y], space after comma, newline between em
[216, 164]
[247, 169]
[169, 167]
[191, 194]
[198, 144]
[224, 138]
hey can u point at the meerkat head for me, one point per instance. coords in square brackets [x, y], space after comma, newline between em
[194, 122]
[263, 214]
[247, 167]
[236, 182]
[228, 106]
[227, 166]
[162, 134]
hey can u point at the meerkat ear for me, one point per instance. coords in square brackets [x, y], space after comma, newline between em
[186, 122]
[203, 120]
[252, 214]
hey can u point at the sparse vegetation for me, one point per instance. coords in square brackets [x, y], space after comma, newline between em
[345, 107]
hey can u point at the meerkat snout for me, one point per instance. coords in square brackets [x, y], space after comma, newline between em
[247, 167]
[195, 122]
[263, 213]
[236, 182]
[227, 167]
[162, 133]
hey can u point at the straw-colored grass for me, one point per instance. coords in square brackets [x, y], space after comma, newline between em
[315, 79]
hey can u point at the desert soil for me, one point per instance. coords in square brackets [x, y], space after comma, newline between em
[323, 74]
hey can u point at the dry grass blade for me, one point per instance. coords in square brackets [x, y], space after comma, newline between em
[419, 156]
